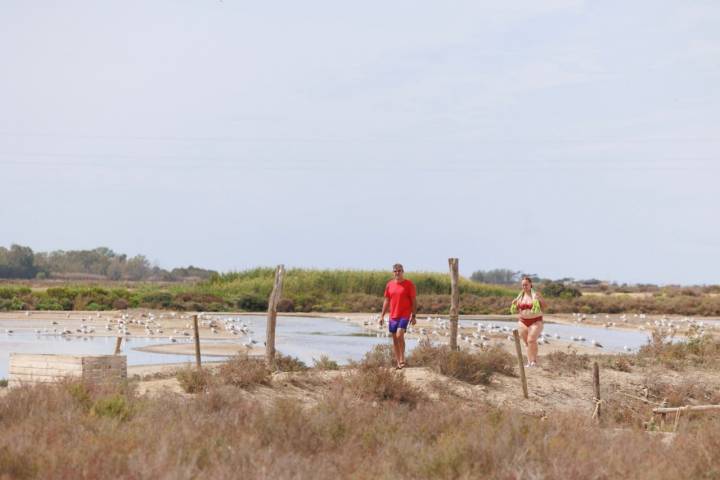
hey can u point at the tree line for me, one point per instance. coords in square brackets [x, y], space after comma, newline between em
[102, 263]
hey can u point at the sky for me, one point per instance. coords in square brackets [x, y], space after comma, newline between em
[564, 138]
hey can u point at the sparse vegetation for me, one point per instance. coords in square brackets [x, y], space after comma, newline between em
[243, 371]
[698, 350]
[193, 380]
[472, 367]
[325, 363]
[286, 363]
[566, 362]
[350, 432]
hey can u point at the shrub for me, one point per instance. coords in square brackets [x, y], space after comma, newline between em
[193, 380]
[252, 303]
[324, 363]
[567, 362]
[380, 356]
[242, 371]
[3, 382]
[471, 367]
[115, 406]
[374, 382]
[286, 363]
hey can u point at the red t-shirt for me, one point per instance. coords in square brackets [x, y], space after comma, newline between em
[401, 295]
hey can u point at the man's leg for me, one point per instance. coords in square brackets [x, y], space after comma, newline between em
[392, 326]
[400, 336]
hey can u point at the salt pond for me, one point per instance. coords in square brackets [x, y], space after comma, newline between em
[612, 340]
[303, 337]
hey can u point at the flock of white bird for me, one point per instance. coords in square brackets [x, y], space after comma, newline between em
[119, 325]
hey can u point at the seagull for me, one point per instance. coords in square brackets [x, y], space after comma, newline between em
[596, 344]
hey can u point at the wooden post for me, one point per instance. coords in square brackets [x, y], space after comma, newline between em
[118, 341]
[520, 362]
[197, 342]
[596, 390]
[272, 315]
[454, 302]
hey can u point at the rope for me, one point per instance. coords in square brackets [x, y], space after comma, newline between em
[596, 412]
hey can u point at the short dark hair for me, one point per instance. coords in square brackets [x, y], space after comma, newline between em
[398, 266]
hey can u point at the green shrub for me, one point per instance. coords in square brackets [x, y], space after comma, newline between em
[3, 382]
[115, 406]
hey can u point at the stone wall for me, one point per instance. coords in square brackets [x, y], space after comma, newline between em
[30, 369]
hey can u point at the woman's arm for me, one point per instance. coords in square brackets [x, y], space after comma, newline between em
[543, 303]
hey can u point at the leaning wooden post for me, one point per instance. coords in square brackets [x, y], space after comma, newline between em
[454, 302]
[520, 362]
[118, 341]
[596, 390]
[197, 342]
[272, 315]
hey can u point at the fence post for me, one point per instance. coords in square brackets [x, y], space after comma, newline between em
[272, 315]
[454, 302]
[197, 341]
[118, 341]
[596, 390]
[516, 335]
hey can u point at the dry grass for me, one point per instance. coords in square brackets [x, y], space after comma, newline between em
[243, 371]
[569, 362]
[471, 367]
[698, 350]
[325, 363]
[376, 383]
[51, 433]
[286, 363]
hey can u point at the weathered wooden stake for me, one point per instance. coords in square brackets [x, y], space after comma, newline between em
[516, 334]
[596, 390]
[197, 342]
[272, 315]
[118, 341]
[454, 302]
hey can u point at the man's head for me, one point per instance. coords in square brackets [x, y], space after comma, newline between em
[398, 272]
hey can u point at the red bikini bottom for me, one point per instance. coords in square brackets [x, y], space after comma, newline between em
[529, 321]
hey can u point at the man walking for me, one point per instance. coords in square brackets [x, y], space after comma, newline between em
[400, 298]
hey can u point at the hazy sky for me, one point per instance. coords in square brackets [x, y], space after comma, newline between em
[563, 138]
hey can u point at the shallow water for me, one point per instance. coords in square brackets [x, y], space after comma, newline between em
[612, 340]
[306, 338]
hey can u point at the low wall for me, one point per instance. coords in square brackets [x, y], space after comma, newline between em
[30, 369]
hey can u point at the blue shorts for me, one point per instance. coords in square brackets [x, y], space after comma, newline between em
[395, 323]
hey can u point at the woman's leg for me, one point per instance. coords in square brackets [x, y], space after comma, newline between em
[523, 331]
[533, 334]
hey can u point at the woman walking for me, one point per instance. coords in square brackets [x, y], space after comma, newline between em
[528, 306]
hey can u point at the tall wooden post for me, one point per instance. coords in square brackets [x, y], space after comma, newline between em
[454, 302]
[272, 315]
[197, 342]
[518, 350]
[596, 390]
[118, 342]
